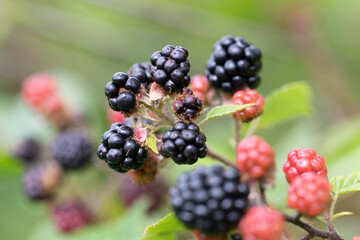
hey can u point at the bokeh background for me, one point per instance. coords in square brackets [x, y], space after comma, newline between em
[83, 42]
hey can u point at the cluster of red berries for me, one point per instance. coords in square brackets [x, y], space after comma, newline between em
[247, 97]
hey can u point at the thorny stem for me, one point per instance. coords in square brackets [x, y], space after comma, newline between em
[220, 158]
[313, 232]
[158, 112]
[237, 130]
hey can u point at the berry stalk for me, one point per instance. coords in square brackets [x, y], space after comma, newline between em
[220, 158]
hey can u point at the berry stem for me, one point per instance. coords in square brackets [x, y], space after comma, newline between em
[332, 208]
[220, 158]
[313, 232]
[307, 237]
[254, 124]
[158, 112]
[237, 124]
[262, 193]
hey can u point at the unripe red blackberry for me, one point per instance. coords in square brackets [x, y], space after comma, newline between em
[303, 160]
[309, 193]
[200, 236]
[28, 150]
[114, 116]
[155, 192]
[234, 64]
[42, 179]
[187, 107]
[120, 150]
[254, 157]
[184, 143]
[262, 223]
[72, 149]
[171, 68]
[210, 199]
[200, 85]
[71, 216]
[356, 238]
[121, 92]
[248, 96]
[141, 72]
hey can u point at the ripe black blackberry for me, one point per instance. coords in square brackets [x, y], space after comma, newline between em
[187, 106]
[210, 199]
[28, 150]
[184, 143]
[142, 72]
[121, 92]
[234, 64]
[170, 68]
[120, 150]
[72, 149]
[41, 180]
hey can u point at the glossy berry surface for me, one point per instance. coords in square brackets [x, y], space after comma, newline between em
[120, 150]
[187, 107]
[254, 157]
[70, 217]
[262, 223]
[234, 64]
[303, 160]
[184, 143]
[248, 96]
[72, 149]
[142, 72]
[171, 68]
[200, 85]
[41, 180]
[209, 199]
[309, 193]
[121, 92]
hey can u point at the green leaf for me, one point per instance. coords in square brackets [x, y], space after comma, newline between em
[165, 229]
[340, 214]
[224, 110]
[151, 143]
[345, 184]
[290, 101]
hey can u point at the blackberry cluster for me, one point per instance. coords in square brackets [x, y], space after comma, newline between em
[121, 92]
[28, 150]
[120, 150]
[234, 64]
[210, 199]
[141, 72]
[187, 106]
[41, 180]
[72, 149]
[171, 68]
[71, 216]
[184, 143]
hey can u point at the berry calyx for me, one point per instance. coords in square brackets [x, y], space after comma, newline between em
[171, 68]
[248, 96]
[184, 143]
[210, 199]
[234, 64]
[303, 160]
[262, 223]
[71, 216]
[254, 157]
[309, 193]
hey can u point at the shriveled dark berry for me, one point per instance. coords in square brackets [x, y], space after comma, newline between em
[234, 64]
[27, 150]
[187, 106]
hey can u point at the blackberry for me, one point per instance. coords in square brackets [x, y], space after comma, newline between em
[120, 150]
[28, 150]
[121, 92]
[71, 216]
[72, 149]
[234, 64]
[187, 106]
[184, 143]
[170, 68]
[41, 180]
[210, 199]
[141, 72]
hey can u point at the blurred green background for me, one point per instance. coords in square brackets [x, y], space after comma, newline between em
[83, 42]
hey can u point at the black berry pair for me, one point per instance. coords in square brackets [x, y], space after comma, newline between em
[142, 72]
[120, 150]
[171, 68]
[184, 143]
[121, 92]
[234, 64]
